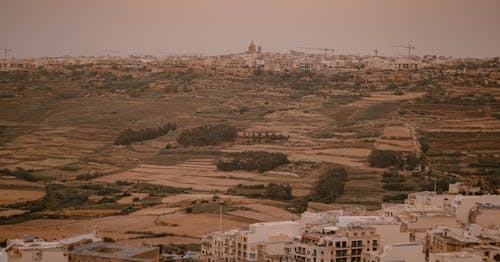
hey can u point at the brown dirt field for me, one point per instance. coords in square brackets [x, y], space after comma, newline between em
[191, 174]
[262, 212]
[18, 182]
[11, 196]
[84, 212]
[130, 199]
[193, 225]
[11, 212]
[157, 210]
[161, 241]
[397, 131]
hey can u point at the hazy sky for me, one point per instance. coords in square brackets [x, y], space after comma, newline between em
[89, 27]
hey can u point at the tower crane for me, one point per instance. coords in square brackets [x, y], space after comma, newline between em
[5, 51]
[409, 47]
[108, 52]
[318, 48]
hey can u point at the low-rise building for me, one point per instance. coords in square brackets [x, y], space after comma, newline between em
[111, 252]
[31, 248]
[332, 243]
[454, 257]
[407, 252]
[446, 239]
[259, 242]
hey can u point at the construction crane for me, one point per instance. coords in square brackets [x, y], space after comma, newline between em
[108, 52]
[318, 48]
[5, 51]
[409, 47]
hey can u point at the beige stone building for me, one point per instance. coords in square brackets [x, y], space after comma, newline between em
[331, 243]
[408, 252]
[485, 242]
[259, 242]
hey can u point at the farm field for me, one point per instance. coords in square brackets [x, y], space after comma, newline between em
[59, 155]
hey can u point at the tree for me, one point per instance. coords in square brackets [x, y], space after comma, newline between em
[329, 185]
[279, 191]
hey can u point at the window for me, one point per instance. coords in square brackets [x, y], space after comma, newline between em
[341, 253]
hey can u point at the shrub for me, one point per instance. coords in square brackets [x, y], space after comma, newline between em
[108, 239]
[298, 205]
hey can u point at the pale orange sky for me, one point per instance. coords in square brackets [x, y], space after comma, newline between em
[89, 27]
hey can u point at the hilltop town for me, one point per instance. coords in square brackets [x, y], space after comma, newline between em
[253, 156]
[244, 64]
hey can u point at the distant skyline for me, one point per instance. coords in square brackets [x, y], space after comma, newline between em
[35, 28]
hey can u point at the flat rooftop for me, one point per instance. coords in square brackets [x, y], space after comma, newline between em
[112, 250]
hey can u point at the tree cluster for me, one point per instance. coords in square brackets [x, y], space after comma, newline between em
[329, 185]
[265, 137]
[21, 174]
[207, 135]
[390, 158]
[253, 160]
[130, 136]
